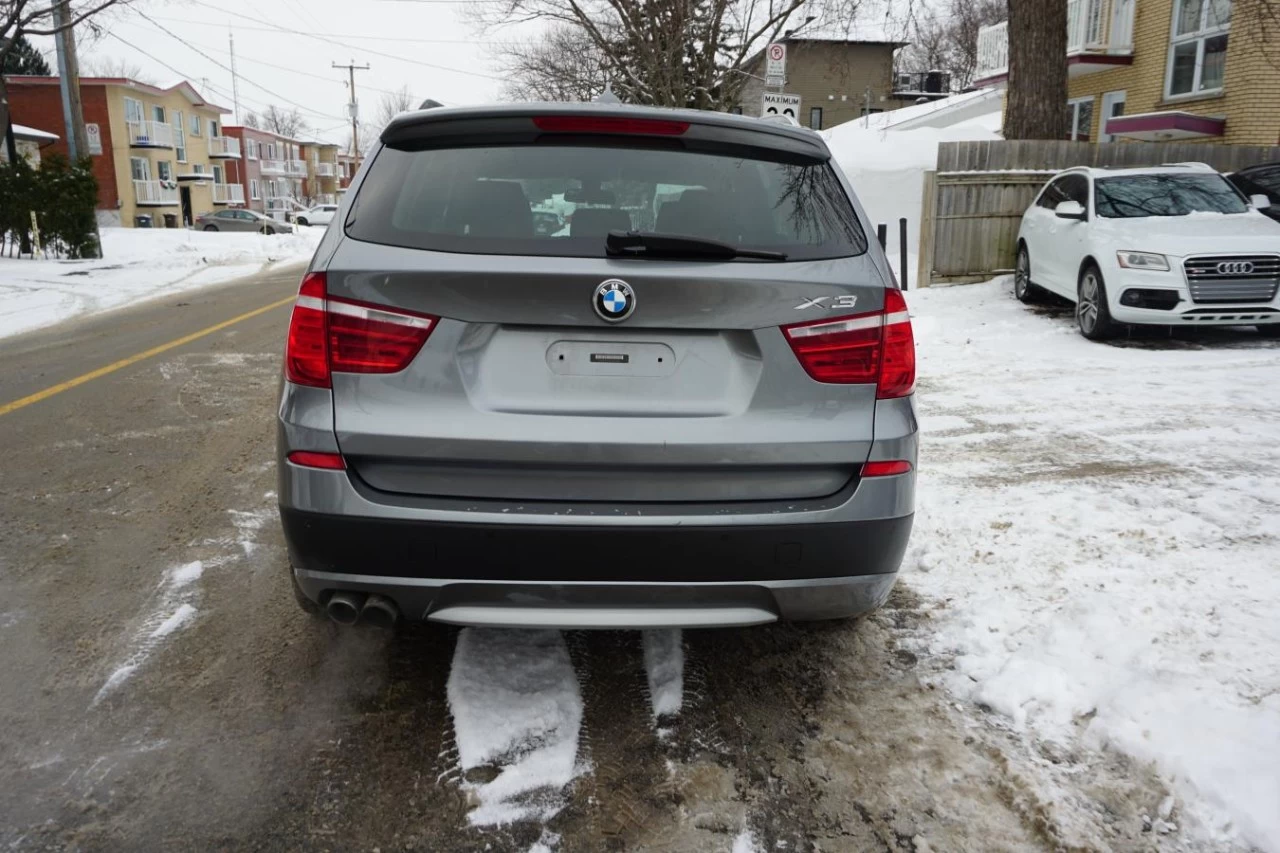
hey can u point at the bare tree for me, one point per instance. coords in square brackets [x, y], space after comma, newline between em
[674, 53]
[1037, 100]
[393, 103]
[948, 40]
[108, 66]
[287, 123]
[564, 64]
[251, 119]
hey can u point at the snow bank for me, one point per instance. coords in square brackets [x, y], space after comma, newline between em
[140, 263]
[1097, 525]
[516, 705]
[886, 168]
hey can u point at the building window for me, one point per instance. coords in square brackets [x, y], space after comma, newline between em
[157, 115]
[217, 174]
[133, 110]
[195, 125]
[164, 170]
[197, 168]
[179, 139]
[815, 118]
[254, 189]
[140, 168]
[1198, 47]
[1079, 119]
[251, 149]
[213, 128]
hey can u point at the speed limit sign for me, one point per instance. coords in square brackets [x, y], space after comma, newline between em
[776, 66]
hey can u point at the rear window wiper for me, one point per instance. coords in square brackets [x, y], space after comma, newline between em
[647, 244]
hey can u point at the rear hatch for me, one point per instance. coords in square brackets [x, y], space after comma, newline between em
[573, 366]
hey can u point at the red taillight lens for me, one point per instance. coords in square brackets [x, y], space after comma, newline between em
[312, 459]
[860, 350]
[327, 334]
[306, 356]
[898, 361]
[610, 124]
[885, 469]
[364, 339]
[846, 350]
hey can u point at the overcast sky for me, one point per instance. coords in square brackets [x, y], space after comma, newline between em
[285, 48]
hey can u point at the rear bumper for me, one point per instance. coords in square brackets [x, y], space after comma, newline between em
[616, 576]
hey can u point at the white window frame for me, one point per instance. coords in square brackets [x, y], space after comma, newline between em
[134, 106]
[1110, 99]
[1074, 105]
[197, 169]
[159, 114]
[179, 136]
[146, 168]
[213, 128]
[255, 190]
[163, 166]
[1199, 37]
[218, 176]
[195, 124]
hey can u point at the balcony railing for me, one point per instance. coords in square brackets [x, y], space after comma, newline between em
[228, 194]
[224, 146]
[296, 167]
[154, 193]
[1094, 28]
[274, 167]
[326, 170]
[150, 134]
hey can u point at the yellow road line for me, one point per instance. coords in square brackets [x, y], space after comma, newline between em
[134, 359]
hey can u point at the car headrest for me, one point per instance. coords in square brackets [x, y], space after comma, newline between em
[598, 221]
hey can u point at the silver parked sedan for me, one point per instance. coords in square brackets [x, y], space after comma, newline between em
[241, 220]
[691, 407]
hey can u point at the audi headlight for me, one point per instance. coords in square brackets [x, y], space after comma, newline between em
[1142, 261]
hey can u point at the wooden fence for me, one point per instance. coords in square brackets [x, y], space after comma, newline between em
[972, 205]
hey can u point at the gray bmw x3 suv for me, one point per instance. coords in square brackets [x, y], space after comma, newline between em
[690, 406]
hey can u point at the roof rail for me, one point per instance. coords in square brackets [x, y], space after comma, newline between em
[1190, 164]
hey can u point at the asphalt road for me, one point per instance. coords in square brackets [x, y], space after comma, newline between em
[150, 703]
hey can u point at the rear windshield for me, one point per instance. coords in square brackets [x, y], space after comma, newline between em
[563, 200]
[1165, 195]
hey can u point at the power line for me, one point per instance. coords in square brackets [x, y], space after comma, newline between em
[276, 29]
[218, 63]
[361, 49]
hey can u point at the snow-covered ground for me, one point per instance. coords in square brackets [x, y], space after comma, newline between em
[1097, 525]
[139, 263]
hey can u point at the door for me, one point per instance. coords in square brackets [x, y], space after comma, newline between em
[1112, 106]
[1067, 237]
[185, 194]
[1037, 226]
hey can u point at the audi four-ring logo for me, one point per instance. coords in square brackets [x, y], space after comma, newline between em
[1235, 268]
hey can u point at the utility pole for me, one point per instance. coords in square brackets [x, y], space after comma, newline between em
[867, 111]
[69, 71]
[354, 106]
[72, 107]
[235, 79]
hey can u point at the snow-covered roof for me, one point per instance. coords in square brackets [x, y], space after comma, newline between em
[182, 86]
[30, 133]
[946, 112]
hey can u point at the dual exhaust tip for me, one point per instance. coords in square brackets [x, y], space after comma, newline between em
[348, 608]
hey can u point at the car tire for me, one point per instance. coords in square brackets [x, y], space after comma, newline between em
[1093, 313]
[1023, 290]
[211, 228]
[302, 221]
[268, 230]
[1271, 330]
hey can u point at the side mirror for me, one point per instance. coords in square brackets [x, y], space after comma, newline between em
[1070, 210]
[1259, 201]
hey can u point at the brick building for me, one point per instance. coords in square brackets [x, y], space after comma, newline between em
[1158, 70]
[837, 80]
[156, 151]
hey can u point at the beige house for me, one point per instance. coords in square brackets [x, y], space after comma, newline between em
[837, 80]
[157, 152]
[1157, 70]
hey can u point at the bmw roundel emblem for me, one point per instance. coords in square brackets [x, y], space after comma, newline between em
[614, 300]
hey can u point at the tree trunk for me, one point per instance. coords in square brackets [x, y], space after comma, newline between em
[1036, 107]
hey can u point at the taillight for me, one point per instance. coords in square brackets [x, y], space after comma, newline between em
[886, 469]
[611, 124]
[313, 459]
[329, 334]
[876, 347]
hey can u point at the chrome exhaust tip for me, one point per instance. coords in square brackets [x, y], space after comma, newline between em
[344, 607]
[380, 611]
